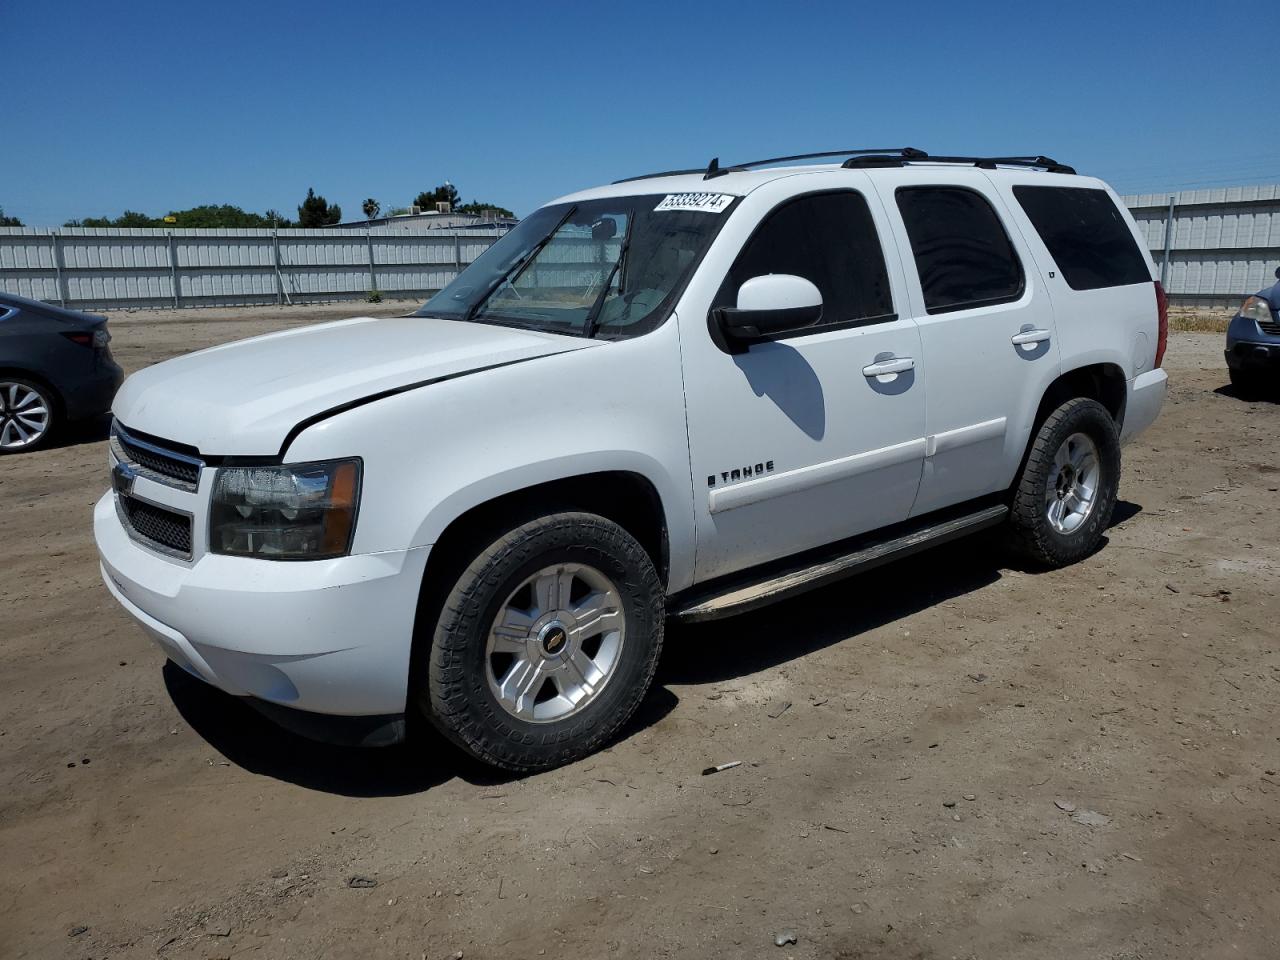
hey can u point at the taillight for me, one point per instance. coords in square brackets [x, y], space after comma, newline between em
[84, 339]
[1162, 335]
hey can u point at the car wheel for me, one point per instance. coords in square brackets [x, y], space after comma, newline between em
[546, 644]
[26, 415]
[1067, 490]
[1248, 384]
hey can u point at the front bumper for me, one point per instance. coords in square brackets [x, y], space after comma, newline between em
[1244, 355]
[325, 636]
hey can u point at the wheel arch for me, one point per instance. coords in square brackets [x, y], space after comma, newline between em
[626, 497]
[20, 373]
[1104, 382]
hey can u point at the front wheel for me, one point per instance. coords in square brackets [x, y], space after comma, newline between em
[546, 644]
[1067, 490]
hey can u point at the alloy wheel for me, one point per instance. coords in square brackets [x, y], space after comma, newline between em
[25, 415]
[555, 642]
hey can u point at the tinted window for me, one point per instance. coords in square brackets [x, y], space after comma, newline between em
[830, 240]
[963, 255]
[1086, 236]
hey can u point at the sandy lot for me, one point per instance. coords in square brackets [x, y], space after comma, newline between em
[906, 735]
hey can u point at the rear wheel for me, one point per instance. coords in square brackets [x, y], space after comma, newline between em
[546, 644]
[1067, 490]
[26, 415]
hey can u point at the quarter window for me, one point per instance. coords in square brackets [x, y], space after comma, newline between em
[1086, 236]
[963, 255]
[830, 240]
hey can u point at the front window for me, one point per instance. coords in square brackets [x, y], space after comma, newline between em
[610, 268]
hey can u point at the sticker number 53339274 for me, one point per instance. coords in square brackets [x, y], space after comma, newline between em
[699, 202]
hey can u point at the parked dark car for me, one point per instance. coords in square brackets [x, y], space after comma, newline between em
[1253, 343]
[55, 367]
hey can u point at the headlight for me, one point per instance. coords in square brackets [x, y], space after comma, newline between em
[1255, 308]
[299, 511]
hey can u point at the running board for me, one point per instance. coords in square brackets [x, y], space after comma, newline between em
[727, 600]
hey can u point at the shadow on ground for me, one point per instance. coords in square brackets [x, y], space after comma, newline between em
[76, 432]
[425, 760]
[1233, 392]
[694, 654]
[723, 650]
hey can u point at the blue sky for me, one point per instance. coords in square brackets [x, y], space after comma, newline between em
[155, 106]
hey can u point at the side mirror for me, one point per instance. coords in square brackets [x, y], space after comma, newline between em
[768, 306]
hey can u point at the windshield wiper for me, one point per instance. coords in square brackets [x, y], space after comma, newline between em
[517, 268]
[592, 323]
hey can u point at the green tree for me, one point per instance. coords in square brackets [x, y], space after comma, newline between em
[275, 218]
[446, 193]
[8, 221]
[370, 208]
[477, 208]
[317, 212]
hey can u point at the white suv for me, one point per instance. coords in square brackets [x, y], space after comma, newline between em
[681, 395]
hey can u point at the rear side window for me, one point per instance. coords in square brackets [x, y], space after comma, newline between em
[963, 255]
[1086, 236]
[830, 240]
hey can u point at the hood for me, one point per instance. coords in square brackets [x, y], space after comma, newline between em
[243, 398]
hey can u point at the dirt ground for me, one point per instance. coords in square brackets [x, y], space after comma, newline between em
[914, 741]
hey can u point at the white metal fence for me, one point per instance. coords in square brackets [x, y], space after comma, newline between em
[1223, 246]
[105, 267]
[1224, 243]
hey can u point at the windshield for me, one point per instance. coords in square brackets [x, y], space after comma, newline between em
[609, 268]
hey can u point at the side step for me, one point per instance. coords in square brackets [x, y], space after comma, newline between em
[728, 599]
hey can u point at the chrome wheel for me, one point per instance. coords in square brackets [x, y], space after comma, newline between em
[1072, 486]
[555, 643]
[25, 415]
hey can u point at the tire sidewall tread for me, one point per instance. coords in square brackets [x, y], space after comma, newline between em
[456, 698]
[1031, 535]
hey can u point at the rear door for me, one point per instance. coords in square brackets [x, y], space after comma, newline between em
[986, 325]
[817, 435]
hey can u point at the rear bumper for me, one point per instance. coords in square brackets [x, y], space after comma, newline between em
[91, 396]
[1146, 393]
[328, 636]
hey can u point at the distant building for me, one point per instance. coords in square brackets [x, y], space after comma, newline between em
[442, 218]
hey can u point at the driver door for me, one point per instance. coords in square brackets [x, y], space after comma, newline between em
[816, 434]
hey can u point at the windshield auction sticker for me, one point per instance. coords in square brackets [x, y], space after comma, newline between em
[700, 202]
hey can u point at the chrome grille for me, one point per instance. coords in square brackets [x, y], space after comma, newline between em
[170, 467]
[166, 530]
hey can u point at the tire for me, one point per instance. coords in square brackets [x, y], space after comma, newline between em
[482, 688]
[1075, 450]
[1248, 384]
[28, 415]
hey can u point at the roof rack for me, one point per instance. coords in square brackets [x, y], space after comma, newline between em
[890, 157]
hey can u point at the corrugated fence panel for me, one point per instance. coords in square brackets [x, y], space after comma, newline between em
[100, 268]
[1226, 240]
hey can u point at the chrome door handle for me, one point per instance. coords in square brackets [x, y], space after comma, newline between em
[884, 367]
[1029, 336]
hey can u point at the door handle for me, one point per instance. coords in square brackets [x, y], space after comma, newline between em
[884, 367]
[1029, 336]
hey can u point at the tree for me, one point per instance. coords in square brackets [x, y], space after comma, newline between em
[8, 221]
[317, 212]
[446, 193]
[370, 208]
[277, 219]
[398, 212]
[478, 208]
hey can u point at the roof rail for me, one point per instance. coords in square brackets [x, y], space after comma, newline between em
[881, 157]
[1048, 164]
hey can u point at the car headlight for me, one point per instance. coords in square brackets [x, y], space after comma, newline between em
[1255, 308]
[298, 511]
